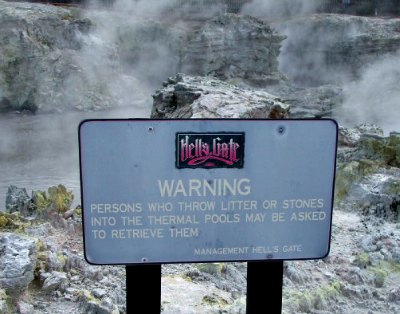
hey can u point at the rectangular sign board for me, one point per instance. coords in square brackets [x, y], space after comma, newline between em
[174, 191]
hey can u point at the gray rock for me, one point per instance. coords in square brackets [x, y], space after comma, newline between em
[94, 273]
[91, 305]
[204, 97]
[376, 258]
[352, 136]
[52, 262]
[24, 308]
[368, 243]
[17, 199]
[74, 261]
[69, 213]
[210, 98]
[56, 280]
[310, 102]
[53, 61]
[230, 46]
[394, 295]
[295, 273]
[396, 254]
[37, 48]
[377, 194]
[42, 230]
[368, 171]
[99, 293]
[17, 261]
[356, 276]
[3, 306]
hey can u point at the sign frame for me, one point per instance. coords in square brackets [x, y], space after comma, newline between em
[281, 129]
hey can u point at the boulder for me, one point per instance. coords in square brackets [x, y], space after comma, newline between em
[370, 145]
[377, 195]
[368, 173]
[351, 136]
[17, 199]
[17, 261]
[25, 308]
[91, 305]
[204, 97]
[54, 281]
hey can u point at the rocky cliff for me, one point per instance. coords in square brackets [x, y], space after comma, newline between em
[38, 46]
[234, 47]
[57, 59]
[52, 60]
[42, 268]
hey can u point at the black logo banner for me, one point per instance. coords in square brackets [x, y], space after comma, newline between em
[210, 150]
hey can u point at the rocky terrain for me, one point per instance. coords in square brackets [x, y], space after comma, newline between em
[56, 59]
[42, 268]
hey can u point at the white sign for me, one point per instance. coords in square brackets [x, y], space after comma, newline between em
[166, 191]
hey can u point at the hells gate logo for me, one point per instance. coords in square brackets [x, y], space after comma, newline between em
[209, 150]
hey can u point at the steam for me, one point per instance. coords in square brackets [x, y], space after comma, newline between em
[276, 9]
[370, 95]
[143, 8]
[304, 54]
[128, 53]
[375, 98]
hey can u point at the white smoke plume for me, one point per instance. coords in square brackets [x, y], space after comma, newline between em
[375, 97]
[372, 96]
[276, 9]
[128, 52]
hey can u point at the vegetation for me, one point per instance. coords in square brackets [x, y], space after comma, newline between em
[215, 269]
[58, 199]
[318, 298]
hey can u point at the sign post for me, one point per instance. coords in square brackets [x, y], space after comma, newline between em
[143, 288]
[264, 287]
[187, 191]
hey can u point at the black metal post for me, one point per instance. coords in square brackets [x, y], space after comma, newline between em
[264, 287]
[143, 289]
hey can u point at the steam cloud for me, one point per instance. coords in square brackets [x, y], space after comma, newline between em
[275, 9]
[128, 53]
[375, 98]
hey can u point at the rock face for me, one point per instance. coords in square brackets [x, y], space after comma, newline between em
[52, 60]
[203, 97]
[234, 47]
[57, 59]
[37, 48]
